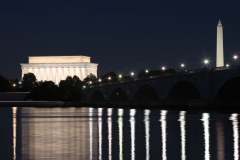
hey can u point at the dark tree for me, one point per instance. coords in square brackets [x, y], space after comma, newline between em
[90, 78]
[46, 90]
[71, 88]
[29, 81]
[113, 77]
[5, 84]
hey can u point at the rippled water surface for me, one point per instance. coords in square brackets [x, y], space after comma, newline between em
[30, 133]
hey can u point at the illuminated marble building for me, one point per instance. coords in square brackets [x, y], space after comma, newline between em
[57, 68]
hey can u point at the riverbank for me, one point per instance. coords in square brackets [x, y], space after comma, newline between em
[192, 105]
[42, 104]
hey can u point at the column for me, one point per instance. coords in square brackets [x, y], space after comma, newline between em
[83, 73]
[77, 72]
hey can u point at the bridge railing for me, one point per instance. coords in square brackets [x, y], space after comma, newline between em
[201, 70]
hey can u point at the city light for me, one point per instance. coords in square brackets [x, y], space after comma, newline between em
[132, 73]
[84, 86]
[14, 85]
[90, 82]
[235, 57]
[163, 68]
[206, 61]
[99, 80]
[120, 76]
[182, 65]
[146, 71]
[227, 65]
[109, 78]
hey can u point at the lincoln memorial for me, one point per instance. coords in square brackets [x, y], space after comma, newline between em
[57, 68]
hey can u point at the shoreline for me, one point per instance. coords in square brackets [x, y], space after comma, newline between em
[196, 105]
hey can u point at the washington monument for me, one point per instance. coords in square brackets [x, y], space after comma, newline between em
[219, 52]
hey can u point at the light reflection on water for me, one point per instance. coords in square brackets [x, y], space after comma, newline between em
[234, 120]
[220, 140]
[132, 125]
[100, 133]
[147, 130]
[120, 133]
[14, 112]
[110, 133]
[183, 133]
[89, 133]
[164, 133]
[205, 119]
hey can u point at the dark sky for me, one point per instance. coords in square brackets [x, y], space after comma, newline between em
[120, 36]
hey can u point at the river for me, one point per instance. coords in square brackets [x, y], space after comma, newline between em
[31, 133]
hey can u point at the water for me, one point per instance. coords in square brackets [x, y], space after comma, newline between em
[30, 133]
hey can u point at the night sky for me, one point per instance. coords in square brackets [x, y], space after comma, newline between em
[120, 36]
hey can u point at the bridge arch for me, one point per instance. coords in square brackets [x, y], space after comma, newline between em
[97, 96]
[183, 91]
[223, 81]
[83, 97]
[229, 89]
[145, 93]
[118, 95]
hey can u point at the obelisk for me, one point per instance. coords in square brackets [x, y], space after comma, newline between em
[219, 52]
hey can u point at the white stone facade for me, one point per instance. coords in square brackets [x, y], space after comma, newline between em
[57, 68]
[220, 53]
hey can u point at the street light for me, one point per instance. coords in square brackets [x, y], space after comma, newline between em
[120, 76]
[146, 71]
[14, 85]
[227, 65]
[90, 82]
[235, 57]
[163, 68]
[109, 78]
[132, 73]
[99, 80]
[182, 66]
[206, 61]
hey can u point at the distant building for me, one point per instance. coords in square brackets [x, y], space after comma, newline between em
[57, 68]
[219, 50]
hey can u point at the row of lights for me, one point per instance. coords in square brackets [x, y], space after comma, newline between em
[205, 61]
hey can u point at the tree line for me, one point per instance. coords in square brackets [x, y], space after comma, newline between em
[68, 89]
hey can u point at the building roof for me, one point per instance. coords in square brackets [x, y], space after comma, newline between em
[58, 59]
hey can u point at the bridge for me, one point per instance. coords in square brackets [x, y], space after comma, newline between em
[207, 86]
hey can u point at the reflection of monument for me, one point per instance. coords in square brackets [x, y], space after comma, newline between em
[58, 133]
[57, 68]
[219, 54]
